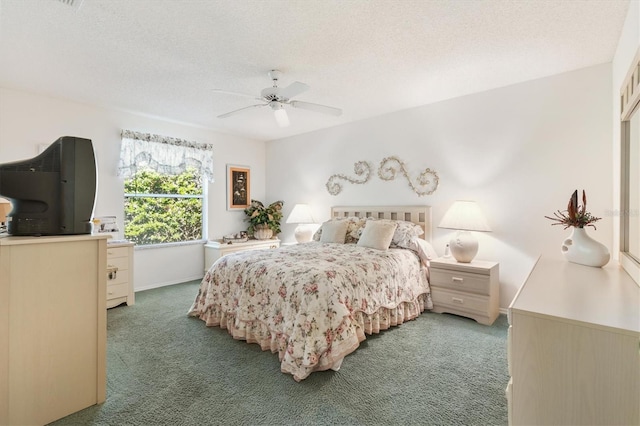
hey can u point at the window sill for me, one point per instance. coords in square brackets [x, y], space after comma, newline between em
[167, 245]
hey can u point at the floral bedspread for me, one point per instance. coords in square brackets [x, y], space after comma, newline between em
[312, 303]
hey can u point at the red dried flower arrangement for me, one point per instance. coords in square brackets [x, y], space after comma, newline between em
[575, 215]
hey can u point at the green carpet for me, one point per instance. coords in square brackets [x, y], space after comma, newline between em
[165, 368]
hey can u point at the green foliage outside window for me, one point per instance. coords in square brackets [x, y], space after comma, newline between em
[168, 219]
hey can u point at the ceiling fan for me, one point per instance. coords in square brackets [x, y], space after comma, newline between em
[276, 98]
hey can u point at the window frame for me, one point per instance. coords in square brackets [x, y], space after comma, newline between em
[629, 110]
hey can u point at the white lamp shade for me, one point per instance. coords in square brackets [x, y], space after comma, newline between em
[301, 213]
[464, 215]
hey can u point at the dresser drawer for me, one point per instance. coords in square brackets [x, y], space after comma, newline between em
[117, 290]
[119, 276]
[117, 252]
[460, 281]
[122, 263]
[460, 301]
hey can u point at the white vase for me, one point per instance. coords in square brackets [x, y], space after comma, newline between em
[581, 248]
[263, 232]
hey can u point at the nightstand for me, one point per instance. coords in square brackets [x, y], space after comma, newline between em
[120, 273]
[215, 249]
[468, 289]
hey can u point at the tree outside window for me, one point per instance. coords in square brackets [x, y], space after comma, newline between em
[161, 208]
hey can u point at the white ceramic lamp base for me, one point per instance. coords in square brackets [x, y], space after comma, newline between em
[464, 246]
[303, 233]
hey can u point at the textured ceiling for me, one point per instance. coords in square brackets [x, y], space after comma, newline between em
[369, 57]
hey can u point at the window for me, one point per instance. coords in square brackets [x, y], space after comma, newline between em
[165, 188]
[630, 171]
[163, 208]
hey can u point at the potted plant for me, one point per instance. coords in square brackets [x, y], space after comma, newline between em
[579, 247]
[264, 222]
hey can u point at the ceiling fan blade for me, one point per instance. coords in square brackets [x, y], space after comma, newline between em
[227, 92]
[316, 107]
[228, 114]
[292, 90]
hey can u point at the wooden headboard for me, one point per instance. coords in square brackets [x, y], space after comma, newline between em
[420, 215]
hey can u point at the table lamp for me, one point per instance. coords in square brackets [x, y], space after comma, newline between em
[464, 216]
[301, 214]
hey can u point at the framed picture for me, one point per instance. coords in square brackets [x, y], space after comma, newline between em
[238, 187]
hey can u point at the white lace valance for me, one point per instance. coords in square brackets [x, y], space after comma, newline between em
[163, 154]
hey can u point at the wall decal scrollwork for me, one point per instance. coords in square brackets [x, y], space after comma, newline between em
[360, 168]
[426, 183]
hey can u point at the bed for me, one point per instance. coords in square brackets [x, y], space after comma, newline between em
[313, 303]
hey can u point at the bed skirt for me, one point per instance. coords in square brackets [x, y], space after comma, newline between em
[340, 343]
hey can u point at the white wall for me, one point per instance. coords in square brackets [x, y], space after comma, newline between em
[519, 151]
[27, 120]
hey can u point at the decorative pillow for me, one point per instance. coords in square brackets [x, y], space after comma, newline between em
[405, 233]
[334, 231]
[377, 234]
[353, 225]
[356, 225]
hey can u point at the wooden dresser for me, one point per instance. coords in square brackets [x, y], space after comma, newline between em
[573, 347]
[215, 249]
[53, 327]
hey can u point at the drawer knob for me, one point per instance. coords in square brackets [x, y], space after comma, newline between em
[457, 300]
[457, 279]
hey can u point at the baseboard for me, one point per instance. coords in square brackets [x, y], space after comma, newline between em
[167, 283]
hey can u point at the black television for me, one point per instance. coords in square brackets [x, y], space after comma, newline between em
[54, 192]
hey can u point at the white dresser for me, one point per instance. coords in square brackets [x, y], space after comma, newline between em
[120, 273]
[215, 249]
[53, 327]
[573, 347]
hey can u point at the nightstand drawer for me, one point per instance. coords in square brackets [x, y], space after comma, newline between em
[460, 301]
[460, 281]
[117, 252]
[117, 290]
[122, 263]
[117, 277]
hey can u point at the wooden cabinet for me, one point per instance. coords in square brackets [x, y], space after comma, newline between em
[120, 274]
[466, 289]
[215, 249]
[573, 347]
[53, 327]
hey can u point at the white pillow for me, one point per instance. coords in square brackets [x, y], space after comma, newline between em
[334, 231]
[424, 249]
[377, 234]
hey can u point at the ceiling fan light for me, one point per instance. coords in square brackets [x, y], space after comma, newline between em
[281, 117]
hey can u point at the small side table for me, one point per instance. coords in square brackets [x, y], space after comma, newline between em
[468, 289]
[120, 273]
[215, 249]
